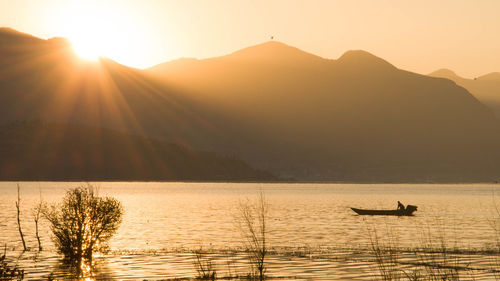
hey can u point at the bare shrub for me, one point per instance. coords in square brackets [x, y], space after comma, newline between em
[252, 222]
[83, 223]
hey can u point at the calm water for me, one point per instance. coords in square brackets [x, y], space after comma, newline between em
[313, 233]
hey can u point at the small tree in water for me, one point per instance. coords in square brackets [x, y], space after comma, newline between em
[83, 223]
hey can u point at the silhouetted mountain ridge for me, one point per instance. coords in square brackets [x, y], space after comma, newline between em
[444, 72]
[363, 59]
[357, 118]
[272, 50]
[485, 88]
[493, 76]
[7, 31]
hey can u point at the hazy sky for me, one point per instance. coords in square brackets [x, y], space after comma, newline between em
[420, 36]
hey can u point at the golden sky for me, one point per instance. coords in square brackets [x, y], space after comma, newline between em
[419, 36]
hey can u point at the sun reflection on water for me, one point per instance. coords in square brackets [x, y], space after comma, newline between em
[87, 272]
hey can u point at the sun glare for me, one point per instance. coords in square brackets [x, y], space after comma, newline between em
[85, 47]
[98, 29]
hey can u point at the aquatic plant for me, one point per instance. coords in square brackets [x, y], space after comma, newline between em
[436, 257]
[8, 272]
[386, 258]
[495, 225]
[252, 222]
[204, 266]
[431, 260]
[83, 223]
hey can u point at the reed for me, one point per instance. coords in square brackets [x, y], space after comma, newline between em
[7, 271]
[252, 222]
[495, 225]
[204, 266]
[386, 257]
[431, 260]
[437, 259]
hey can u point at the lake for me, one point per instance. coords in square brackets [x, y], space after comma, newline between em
[313, 234]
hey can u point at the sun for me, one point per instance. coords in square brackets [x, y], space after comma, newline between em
[85, 25]
[86, 44]
[96, 28]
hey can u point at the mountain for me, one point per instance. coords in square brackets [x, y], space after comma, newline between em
[275, 107]
[357, 118]
[42, 151]
[45, 80]
[485, 88]
[494, 76]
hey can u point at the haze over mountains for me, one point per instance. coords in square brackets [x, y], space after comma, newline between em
[279, 109]
[486, 88]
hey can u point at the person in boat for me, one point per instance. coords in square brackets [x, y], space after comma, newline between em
[401, 206]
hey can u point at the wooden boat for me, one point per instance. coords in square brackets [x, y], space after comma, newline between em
[408, 211]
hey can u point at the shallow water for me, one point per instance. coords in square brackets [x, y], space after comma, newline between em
[313, 233]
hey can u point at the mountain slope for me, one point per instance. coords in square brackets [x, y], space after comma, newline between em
[486, 88]
[43, 81]
[41, 151]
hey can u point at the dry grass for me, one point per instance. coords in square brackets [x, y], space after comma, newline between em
[252, 222]
[204, 266]
[7, 271]
[431, 260]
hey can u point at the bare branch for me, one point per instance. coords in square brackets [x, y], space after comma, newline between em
[37, 211]
[252, 224]
[18, 206]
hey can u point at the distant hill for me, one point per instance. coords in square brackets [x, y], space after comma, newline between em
[279, 109]
[486, 88]
[38, 151]
[494, 76]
